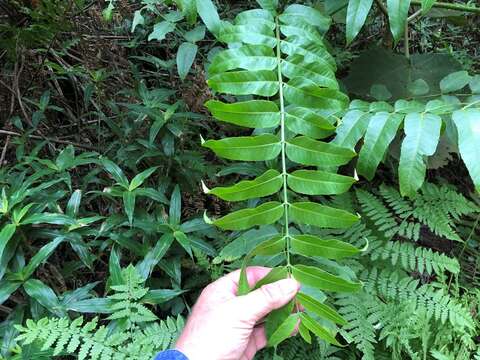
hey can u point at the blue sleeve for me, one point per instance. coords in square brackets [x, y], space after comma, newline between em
[171, 355]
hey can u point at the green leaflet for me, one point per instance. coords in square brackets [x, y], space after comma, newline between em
[267, 184]
[246, 148]
[256, 17]
[311, 182]
[422, 132]
[272, 246]
[253, 114]
[427, 5]
[357, 13]
[320, 215]
[185, 57]
[352, 128]
[270, 5]
[305, 93]
[284, 331]
[263, 83]
[468, 126]
[244, 219]
[277, 273]
[455, 81]
[321, 332]
[306, 151]
[397, 14]
[312, 52]
[248, 57]
[296, 66]
[309, 245]
[5, 235]
[312, 276]
[380, 133]
[304, 14]
[251, 34]
[209, 15]
[307, 122]
[322, 310]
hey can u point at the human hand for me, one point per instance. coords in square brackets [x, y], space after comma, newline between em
[222, 325]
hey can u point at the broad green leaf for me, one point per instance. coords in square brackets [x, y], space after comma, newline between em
[276, 274]
[152, 258]
[246, 148]
[152, 194]
[277, 317]
[305, 93]
[305, 333]
[138, 19]
[313, 276]
[272, 246]
[352, 128]
[160, 30]
[380, 133]
[250, 34]
[422, 132]
[427, 5]
[253, 114]
[322, 310]
[296, 66]
[44, 295]
[270, 5]
[397, 15]
[185, 57]
[256, 17]
[183, 240]
[312, 52]
[320, 215]
[318, 330]
[5, 235]
[139, 179]
[264, 214]
[311, 182]
[468, 126]
[74, 204]
[263, 83]
[475, 84]
[284, 331]
[195, 35]
[357, 13]
[455, 81]
[129, 205]
[247, 57]
[380, 92]
[175, 211]
[41, 256]
[7, 288]
[310, 245]
[306, 151]
[418, 88]
[116, 173]
[306, 122]
[209, 14]
[267, 184]
[300, 13]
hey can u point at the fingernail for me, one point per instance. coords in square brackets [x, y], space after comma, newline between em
[290, 286]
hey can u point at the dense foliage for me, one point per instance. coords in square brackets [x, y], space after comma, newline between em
[149, 146]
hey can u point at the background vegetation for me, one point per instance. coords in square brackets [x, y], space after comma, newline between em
[104, 245]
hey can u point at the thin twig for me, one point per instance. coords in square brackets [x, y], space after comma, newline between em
[414, 15]
[88, 147]
[407, 41]
[451, 6]
[4, 151]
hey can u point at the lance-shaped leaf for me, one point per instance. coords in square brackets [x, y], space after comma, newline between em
[246, 148]
[357, 13]
[468, 126]
[311, 182]
[256, 16]
[310, 245]
[41, 256]
[248, 57]
[284, 331]
[318, 330]
[267, 184]
[139, 179]
[322, 310]
[253, 114]
[427, 5]
[320, 215]
[129, 205]
[263, 83]
[5, 235]
[296, 66]
[397, 15]
[252, 34]
[208, 13]
[422, 132]
[306, 93]
[352, 128]
[306, 151]
[380, 133]
[297, 13]
[272, 246]
[312, 52]
[313, 276]
[264, 214]
[307, 122]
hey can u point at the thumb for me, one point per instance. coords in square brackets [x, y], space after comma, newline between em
[261, 302]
